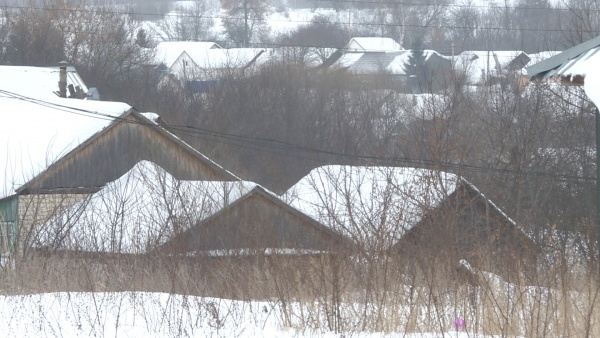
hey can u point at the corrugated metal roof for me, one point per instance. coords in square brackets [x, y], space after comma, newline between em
[570, 63]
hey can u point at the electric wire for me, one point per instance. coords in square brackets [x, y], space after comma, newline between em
[284, 148]
[342, 23]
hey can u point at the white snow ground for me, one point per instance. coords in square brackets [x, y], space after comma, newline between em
[139, 314]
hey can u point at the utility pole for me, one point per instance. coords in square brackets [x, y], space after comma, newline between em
[597, 113]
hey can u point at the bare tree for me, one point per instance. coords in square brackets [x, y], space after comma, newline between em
[245, 20]
[102, 44]
[193, 23]
[33, 38]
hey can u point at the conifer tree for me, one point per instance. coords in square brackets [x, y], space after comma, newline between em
[415, 68]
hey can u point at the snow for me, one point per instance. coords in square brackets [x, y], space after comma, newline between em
[479, 63]
[363, 201]
[38, 82]
[253, 252]
[397, 65]
[144, 314]
[141, 209]
[591, 69]
[348, 59]
[224, 58]
[372, 44]
[168, 52]
[38, 127]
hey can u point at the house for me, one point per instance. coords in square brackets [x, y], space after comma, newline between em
[56, 151]
[523, 79]
[424, 216]
[484, 68]
[570, 66]
[383, 62]
[372, 44]
[140, 210]
[168, 52]
[257, 223]
[197, 66]
[261, 244]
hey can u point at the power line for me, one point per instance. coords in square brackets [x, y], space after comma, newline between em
[283, 147]
[356, 2]
[452, 5]
[342, 23]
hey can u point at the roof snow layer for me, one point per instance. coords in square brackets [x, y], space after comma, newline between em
[37, 127]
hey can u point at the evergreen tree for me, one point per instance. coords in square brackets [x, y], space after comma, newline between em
[141, 39]
[415, 69]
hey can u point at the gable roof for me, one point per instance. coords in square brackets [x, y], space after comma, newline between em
[39, 82]
[372, 204]
[139, 210]
[367, 63]
[372, 44]
[225, 58]
[381, 62]
[38, 128]
[396, 66]
[258, 219]
[365, 202]
[201, 63]
[478, 64]
[130, 138]
[36, 132]
[570, 63]
[169, 51]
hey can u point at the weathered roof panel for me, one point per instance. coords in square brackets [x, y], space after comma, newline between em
[571, 62]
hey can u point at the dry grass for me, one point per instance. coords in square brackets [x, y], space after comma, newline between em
[337, 293]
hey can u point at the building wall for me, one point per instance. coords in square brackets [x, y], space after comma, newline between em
[37, 210]
[116, 151]
[252, 225]
[8, 223]
[468, 227]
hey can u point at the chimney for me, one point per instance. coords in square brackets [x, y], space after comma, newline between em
[62, 79]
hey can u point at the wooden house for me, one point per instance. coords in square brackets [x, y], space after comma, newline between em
[382, 63]
[485, 68]
[257, 224]
[424, 218]
[57, 151]
[198, 66]
[466, 226]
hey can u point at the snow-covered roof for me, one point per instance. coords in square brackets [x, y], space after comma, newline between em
[591, 68]
[39, 82]
[396, 66]
[348, 59]
[224, 58]
[362, 202]
[477, 64]
[168, 52]
[366, 63]
[379, 62]
[571, 63]
[372, 44]
[541, 56]
[38, 127]
[143, 208]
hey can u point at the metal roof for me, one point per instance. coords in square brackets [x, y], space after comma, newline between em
[569, 63]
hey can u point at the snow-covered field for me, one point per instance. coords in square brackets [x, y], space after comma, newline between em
[139, 314]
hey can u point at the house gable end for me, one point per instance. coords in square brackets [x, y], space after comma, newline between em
[257, 221]
[112, 152]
